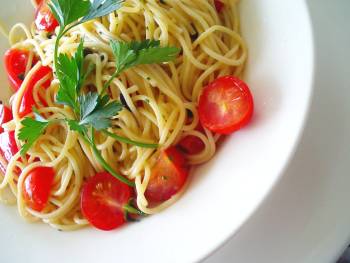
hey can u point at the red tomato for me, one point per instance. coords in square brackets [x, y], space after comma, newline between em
[168, 176]
[37, 187]
[28, 102]
[15, 63]
[5, 116]
[103, 199]
[191, 144]
[219, 5]
[44, 19]
[8, 146]
[225, 105]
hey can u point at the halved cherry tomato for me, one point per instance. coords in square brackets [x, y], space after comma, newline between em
[225, 105]
[5, 116]
[37, 187]
[15, 61]
[168, 176]
[44, 19]
[27, 101]
[103, 199]
[191, 144]
[8, 145]
[219, 5]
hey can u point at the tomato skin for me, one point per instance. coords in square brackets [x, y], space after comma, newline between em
[8, 145]
[28, 101]
[226, 105]
[15, 61]
[44, 19]
[168, 176]
[5, 116]
[103, 199]
[37, 187]
[219, 5]
[191, 144]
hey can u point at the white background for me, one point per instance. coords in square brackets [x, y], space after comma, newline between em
[306, 218]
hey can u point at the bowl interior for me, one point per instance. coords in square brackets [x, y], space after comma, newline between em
[223, 193]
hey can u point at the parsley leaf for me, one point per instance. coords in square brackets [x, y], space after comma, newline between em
[135, 53]
[138, 53]
[101, 8]
[31, 131]
[70, 75]
[97, 111]
[68, 11]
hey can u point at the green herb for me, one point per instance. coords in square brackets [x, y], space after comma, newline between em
[97, 111]
[131, 54]
[31, 131]
[93, 112]
[70, 13]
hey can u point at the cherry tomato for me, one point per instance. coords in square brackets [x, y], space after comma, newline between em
[191, 144]
[219, 5]
[5, 116]
[103, 199]
[168, 176]
[37, 187]
[8, 146]
[225, 105]
[28, 102]
[15, 63]
[44, 19]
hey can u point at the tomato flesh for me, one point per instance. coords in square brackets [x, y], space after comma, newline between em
[8, 145]
[28, 101]
[225, 105]
[15, 61]
[37, 187]
[168, 176]
[8, 148]
[5, 116]
[103, 199]
[191, 144]
[219, 5]
[44, 19]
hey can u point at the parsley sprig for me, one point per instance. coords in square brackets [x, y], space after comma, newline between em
[132, 54]
[93, 112]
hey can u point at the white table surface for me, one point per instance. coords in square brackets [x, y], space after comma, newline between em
[306, 218]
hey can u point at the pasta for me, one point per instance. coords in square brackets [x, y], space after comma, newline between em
[158, 98]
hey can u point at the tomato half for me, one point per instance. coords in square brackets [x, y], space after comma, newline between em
[28, 101]
[103, 199]
[219, 5]
[37, 187]
[15, 61]
[168, 176]
[5, 116]
[44, 19]
[225, 105]
[191, 144]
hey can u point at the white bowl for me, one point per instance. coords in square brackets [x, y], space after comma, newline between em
[224, 192]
